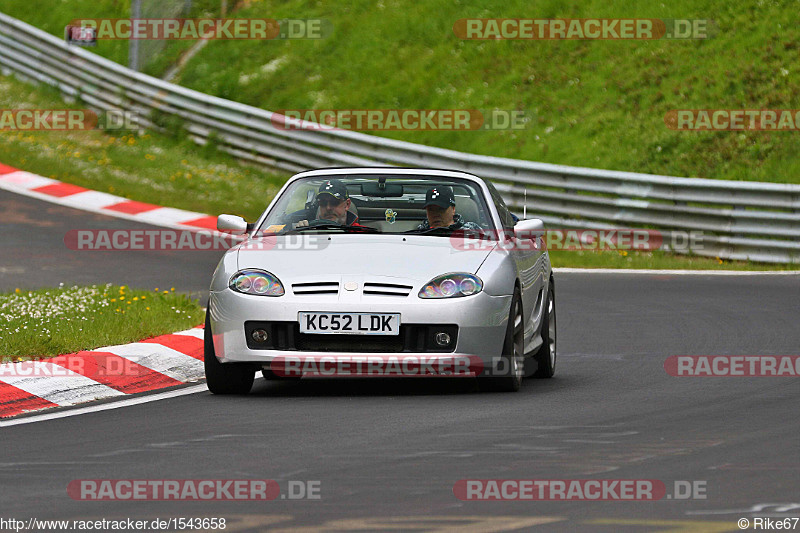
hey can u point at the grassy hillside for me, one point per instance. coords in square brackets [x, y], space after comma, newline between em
[150, 168]
[592, 103]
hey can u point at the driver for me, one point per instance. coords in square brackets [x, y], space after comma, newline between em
[334, 205]
[440, 206]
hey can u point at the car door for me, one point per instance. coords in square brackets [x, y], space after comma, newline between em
[529, 257]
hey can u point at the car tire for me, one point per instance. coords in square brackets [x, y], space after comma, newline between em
[512, 356]
[545, 357]
[224, 378]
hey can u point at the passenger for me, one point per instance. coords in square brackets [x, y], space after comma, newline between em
[440, 206]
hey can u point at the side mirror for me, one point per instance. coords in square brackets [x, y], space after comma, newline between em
[525, 228]
[232, 224]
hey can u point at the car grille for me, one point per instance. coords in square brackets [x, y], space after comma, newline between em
[349, 343]
[387, 289]
[320, 287]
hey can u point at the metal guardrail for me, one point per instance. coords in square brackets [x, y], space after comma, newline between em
[738, 220]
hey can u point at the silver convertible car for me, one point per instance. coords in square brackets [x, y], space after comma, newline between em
[382, 271]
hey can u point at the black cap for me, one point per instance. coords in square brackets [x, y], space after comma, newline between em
[335, 188]
[441, 196]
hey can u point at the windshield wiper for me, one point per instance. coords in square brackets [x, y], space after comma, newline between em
[333, 225]
[360, 229]
[444, 230]
[441, 230]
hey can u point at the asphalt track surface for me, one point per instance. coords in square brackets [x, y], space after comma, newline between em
[387, 453]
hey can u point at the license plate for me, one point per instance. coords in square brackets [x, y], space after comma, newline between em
[350, 323]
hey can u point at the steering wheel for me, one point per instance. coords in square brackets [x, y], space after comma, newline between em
[322, 221]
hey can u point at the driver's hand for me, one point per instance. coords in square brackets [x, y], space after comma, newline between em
[302, 223]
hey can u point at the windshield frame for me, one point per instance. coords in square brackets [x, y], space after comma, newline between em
[476, 187]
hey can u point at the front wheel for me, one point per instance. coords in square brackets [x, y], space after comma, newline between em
[546, 356]
[510, 363]
[224, 378]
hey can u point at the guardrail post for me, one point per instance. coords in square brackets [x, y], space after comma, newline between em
[133, 44]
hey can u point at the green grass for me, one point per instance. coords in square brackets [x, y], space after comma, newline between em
[55, 321]
[592, 103]
[151, 168]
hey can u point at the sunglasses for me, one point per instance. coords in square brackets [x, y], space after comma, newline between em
[331, 202]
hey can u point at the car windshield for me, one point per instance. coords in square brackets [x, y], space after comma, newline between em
[379, 204]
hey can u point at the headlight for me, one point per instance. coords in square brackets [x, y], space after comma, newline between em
[452, 286]
[258, 282]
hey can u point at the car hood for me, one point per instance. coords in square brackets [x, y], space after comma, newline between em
[411, 257]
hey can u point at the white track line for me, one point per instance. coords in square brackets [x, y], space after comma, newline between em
[194, 332]
[21, 180]
[92, 199]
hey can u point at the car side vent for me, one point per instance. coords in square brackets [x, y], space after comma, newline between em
[321, 287]
[387, 289]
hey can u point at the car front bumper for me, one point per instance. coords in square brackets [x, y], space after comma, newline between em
[481, 321]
